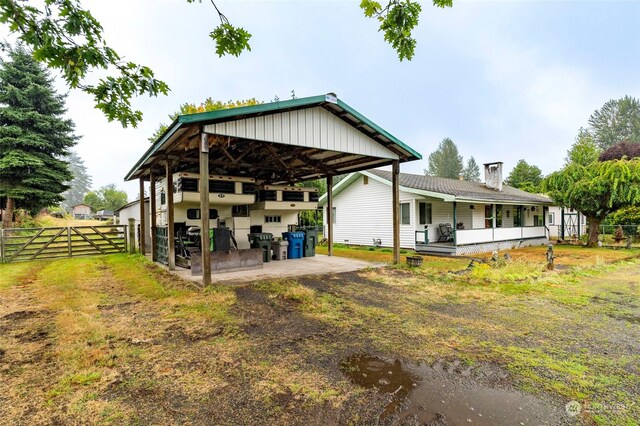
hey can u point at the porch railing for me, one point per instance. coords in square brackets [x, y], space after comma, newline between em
[487, 235]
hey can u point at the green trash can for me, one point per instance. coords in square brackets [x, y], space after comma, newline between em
[310, 241]
[262, 241]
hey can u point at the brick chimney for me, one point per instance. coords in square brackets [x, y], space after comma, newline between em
[493, 175]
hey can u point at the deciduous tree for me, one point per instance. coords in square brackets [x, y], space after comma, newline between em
[597, 189]
[106, 198]
[208, 105]
[526, 177]
[584, 150]
[35, 137]
[65, 36]
[445, 161]
[617, 121]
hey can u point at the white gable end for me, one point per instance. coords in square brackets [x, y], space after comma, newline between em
[311, 127]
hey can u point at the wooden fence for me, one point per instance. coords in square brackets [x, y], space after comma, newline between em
[20, 244]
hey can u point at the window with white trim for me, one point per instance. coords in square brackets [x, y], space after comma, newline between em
[273, 219]
[405, 214]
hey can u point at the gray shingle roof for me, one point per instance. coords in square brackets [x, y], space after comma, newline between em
[463, 188]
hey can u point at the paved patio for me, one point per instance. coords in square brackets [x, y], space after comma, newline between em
[318, 265]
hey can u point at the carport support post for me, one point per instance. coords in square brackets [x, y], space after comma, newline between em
[152, 213]
[171, 241]
[330, 215]
[204, 209]
[395, 189]
[143, 220]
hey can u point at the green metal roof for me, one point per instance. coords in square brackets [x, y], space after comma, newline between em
[268, 108]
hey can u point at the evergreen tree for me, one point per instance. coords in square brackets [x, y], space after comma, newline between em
[34, 136]
[79, 185]
[445, 161]
[525, 177]
[472, 171]
[584, 150]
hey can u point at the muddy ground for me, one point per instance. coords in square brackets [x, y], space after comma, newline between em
[372, 347]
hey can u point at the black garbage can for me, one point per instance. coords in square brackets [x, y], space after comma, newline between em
[310, 241]
[262, 240]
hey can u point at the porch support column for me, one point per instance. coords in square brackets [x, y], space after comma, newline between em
[395, 190]
[152, 213]
[171, 242]
[330, 215]
[204, 209]
[143, 221]
[455, 223]
[562, 224]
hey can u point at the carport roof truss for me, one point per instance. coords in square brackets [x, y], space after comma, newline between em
[279, 142]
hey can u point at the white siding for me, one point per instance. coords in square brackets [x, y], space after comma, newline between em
[363, 213]
[311, 127]
[133, 211]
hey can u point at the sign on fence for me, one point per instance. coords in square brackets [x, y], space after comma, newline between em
[19, 244]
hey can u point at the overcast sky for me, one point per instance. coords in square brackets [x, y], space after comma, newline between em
[504, 80]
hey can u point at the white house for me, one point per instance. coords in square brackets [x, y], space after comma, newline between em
[438, 215]
[132, 210]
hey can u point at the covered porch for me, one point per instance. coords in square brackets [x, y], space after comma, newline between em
[280, 143]
[460, 227]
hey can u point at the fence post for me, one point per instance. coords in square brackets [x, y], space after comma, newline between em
[2, 245]
[70, 249]
[132, 235]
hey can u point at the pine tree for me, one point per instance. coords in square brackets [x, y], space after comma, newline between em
[445, 161]
[472, 171]
[79, 185]
[34, 136]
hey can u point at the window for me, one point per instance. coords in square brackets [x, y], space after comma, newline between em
[265, 195]
[517, 216]
[333, 215]
[248, 188]
[498, 215]
[222, 186]
[194, 214]
[537, 220]
[425, 213]
[188, 185]
[488, 216]
[405, 214]
[552, 218]
[314, 196]
[292, 196]
[163, 197]
[240, 211]
[273, 219]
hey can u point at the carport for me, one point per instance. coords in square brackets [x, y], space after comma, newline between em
[282, 142]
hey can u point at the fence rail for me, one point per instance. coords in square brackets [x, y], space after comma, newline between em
[21, 244]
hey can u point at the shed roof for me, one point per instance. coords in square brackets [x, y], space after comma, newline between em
[278, 142]
[452, 189]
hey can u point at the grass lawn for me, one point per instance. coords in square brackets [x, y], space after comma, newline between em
[115, 340]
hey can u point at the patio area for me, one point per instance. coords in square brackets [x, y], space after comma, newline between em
[318, 265]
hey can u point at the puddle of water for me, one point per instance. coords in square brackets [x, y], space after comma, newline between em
[446, 395]
[388, 377]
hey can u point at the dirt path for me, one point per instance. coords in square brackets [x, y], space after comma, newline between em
[116, 341]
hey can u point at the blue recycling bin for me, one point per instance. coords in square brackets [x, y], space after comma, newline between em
[296, 242]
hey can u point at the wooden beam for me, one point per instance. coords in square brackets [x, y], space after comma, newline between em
[152, 213]
[330, 215]
[171, 242]
[395, 189]
[204, 210]
[143, 220]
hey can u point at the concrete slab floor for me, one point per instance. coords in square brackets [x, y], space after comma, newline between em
[317, 265]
